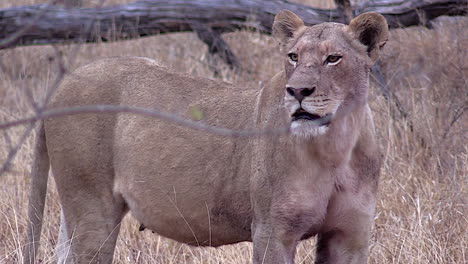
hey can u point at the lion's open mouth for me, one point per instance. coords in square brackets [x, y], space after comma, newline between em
[301, 114]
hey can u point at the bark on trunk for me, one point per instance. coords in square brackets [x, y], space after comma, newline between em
[42, 24]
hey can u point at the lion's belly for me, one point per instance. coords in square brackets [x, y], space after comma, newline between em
[186, 185]
[192, 212]
[190, 221]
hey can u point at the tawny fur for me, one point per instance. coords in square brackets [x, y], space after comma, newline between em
[208, 190]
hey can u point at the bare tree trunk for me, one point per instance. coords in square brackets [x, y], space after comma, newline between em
[145, 18]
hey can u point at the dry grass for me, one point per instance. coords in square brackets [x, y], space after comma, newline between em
[422, 205]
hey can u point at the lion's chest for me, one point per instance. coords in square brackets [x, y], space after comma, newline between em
[311, 201]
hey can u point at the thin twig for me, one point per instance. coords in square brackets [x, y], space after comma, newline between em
[13, 151]
[7, 139]
[89, 109]
[458, 114]
[40, 108]
[389, 95]
[29, 97]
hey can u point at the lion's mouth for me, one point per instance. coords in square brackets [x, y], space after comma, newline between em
[302, 114]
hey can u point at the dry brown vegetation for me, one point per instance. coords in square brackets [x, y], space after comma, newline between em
[422, 205]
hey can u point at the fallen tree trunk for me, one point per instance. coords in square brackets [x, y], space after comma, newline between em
[44, 24]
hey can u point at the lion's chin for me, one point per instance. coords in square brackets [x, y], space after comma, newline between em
[307, 129]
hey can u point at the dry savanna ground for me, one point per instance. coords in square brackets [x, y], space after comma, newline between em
[422, 204]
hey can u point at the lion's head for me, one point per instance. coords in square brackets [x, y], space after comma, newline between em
[327, 68]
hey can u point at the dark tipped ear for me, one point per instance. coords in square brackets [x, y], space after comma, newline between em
[370, 29]
[285, 25]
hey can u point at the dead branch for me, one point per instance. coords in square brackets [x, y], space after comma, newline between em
[215, 43]
[11, 39]
[145, 18]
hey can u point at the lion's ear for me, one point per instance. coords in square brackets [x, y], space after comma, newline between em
[370, 29]
[285, 25]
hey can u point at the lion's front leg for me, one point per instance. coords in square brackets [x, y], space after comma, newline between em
[276, 238]
[347, 235]
[272, 246]
[337, 247]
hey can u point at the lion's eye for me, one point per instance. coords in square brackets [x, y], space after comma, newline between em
[333, 59]
[293, 56]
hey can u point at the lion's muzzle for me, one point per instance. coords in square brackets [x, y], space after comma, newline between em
[310, 113]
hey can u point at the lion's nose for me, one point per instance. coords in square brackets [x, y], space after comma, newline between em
[300, 93]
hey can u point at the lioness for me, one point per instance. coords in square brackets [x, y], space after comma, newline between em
[208, 190]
